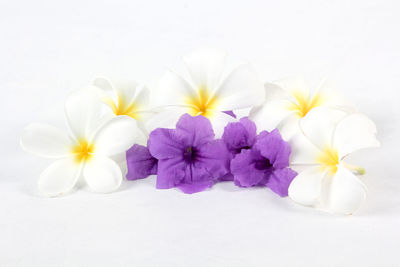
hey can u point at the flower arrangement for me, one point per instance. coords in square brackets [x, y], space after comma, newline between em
[293, 141]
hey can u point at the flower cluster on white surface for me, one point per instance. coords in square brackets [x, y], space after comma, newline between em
[107, 118]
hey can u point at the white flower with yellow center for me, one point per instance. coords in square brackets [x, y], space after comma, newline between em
[86, 151]
[288, 101]
[326, 181]
[206, 92]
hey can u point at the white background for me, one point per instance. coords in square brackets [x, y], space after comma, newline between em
[49, 48]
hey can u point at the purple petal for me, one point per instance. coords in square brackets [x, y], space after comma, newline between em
[239, 135]
[165, 144]
[280, 180]
[215, 158]
[230, 113]
[140, 163]
[273, 147]
[194, 131]
[170, 173]
[196, 187]
[243, 169]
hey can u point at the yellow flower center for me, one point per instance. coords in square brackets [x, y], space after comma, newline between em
[83, 150]
[203, 103]
[328, 159]
[304, 103]
[122, 107]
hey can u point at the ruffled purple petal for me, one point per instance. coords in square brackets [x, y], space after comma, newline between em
[165, 143]
[215, 158]
[170, 173]
[280, 180]
[273, 147]
[240, 135]
[140, 163]
[196, 187]
[194, 131]
[243, 168]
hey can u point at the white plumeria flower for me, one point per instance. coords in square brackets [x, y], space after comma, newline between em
[327, 182]
[126, 98]
[206, 93]
[288, 101]
[85, 151]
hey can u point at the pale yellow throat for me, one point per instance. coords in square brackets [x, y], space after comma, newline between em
[203, 103]
[328, 159]
[83, 151]
[303, 103]
[122, 107]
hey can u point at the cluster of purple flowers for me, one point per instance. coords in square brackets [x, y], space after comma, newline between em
[189, 157]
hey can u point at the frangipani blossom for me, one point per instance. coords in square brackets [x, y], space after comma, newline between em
[206, 93]
[327, 182]
[126, 98]
[85, 151]
[288, 101]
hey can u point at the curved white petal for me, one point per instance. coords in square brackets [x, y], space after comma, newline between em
[173, 90]
[354, 132]
[142, 98]
[116, 136]
[307, 185]
[319, 125]
[104, 84]
[275, 92]
[165, 117]
[218, 121]
[303, 152]
[205, 67]
[241, 89]
[102, 174]
[269, 115]
[346, 192]
[45, 141]
[332, 97]
[60, 177]
[294, 84]
[83, 110]
[124, 89]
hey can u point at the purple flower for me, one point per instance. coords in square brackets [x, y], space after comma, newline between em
[239, 135]
[188, 157]
[265, 164]
[140, 163]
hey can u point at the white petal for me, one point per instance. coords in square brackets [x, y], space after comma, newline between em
[102, 174]
[241, 89]
[104, 83]
[46, 141]
[125, 89]
[116, 136]
[173, 90]
[83, 110]
[347, 192]
[333, 97]
[303, 151]
[294, 84]
[205, 67]
[165, 117]
[60, 177]
[142, 98]
[218, 121]
[269, 115]
[354, 132]
[306, 186]
[319, 124]
[275, 92]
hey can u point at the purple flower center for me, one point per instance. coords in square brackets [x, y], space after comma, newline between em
[189, 155]
[262, 164]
